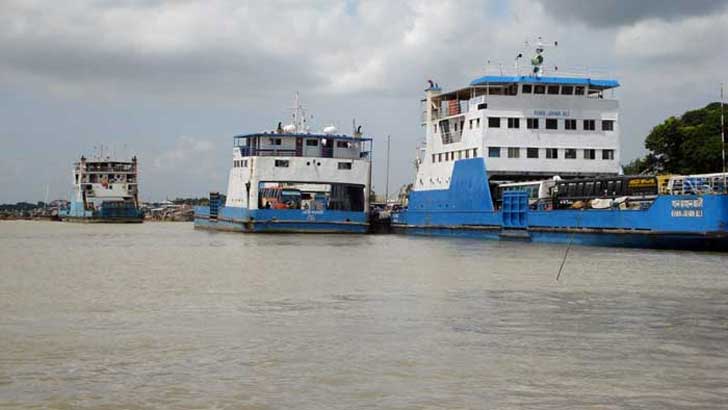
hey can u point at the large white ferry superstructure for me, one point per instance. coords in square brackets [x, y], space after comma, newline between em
[293, 180]
[527, 126]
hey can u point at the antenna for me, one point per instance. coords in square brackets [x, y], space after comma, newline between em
[537, 60]
[386, 189]
[299, 115]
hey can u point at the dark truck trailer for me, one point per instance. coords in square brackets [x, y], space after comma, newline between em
[566, 192]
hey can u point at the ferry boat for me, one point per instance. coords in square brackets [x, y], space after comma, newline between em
[293, 180]
[535, 156]
[105, 190]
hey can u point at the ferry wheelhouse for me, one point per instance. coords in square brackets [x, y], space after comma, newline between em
[105, 190]
[536, 157]
[292, 180]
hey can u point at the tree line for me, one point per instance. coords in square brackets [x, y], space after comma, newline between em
[689, 144]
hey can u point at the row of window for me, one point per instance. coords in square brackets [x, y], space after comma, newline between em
[454, 155]
[284, 163]
[313, 143]
[551, 153]
[240, 163]
[550, 123]
[535, 123]
[552, 89]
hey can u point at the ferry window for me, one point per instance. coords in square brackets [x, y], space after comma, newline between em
[434, 128]
[539, 89]
[482, 106]
[527, 88]
[312, 143]
[245, 163]
[552, 153]
[439, 157]
[570, 124]
[514, 152]
[570, 153]
[531, 152]
[494, 152]
[567, 90]
[456, 126]
[590, 154]
[470, 124]
[589, 125]
[493, 122]
[552, 123]
[553, 89]
[433, 158]
[607, 125]
[344, 165]
[475, 152]
[342, 144]
[532, 123]
[283, 163]
[275, 141]
[477, 123]
[467, 153]
[589, 188]
[514, 123]
[460, 155]
[579, 90]
[608, 154]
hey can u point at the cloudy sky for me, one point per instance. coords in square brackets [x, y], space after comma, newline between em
[172, 81]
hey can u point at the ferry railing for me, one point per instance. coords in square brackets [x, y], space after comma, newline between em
[449, 137]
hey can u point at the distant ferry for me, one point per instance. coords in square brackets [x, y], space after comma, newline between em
[293, 180]
[105, 190]
[535, 157]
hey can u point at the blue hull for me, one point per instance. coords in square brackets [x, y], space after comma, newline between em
[127, 213]
[281, 221]
[697, 242]
[466, 209]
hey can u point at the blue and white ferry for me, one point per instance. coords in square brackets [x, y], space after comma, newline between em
[535, 156]
[294, 180]
[105, 190]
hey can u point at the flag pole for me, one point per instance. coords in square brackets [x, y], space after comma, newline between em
[722, 137]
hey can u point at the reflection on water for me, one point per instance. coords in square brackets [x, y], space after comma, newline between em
[162, 316]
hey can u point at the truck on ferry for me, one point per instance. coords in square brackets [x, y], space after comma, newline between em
[535, 156]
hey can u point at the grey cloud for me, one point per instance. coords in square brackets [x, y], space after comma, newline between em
[614, 13]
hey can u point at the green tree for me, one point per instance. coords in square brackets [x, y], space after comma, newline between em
[690, 144]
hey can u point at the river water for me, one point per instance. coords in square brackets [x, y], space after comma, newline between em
[160, 315]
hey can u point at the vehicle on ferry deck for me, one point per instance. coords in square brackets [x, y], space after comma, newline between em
[293, 180]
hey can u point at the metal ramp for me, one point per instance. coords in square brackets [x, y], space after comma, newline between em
[515, 215]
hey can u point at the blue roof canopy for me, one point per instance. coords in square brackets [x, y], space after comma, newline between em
[526, 79]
